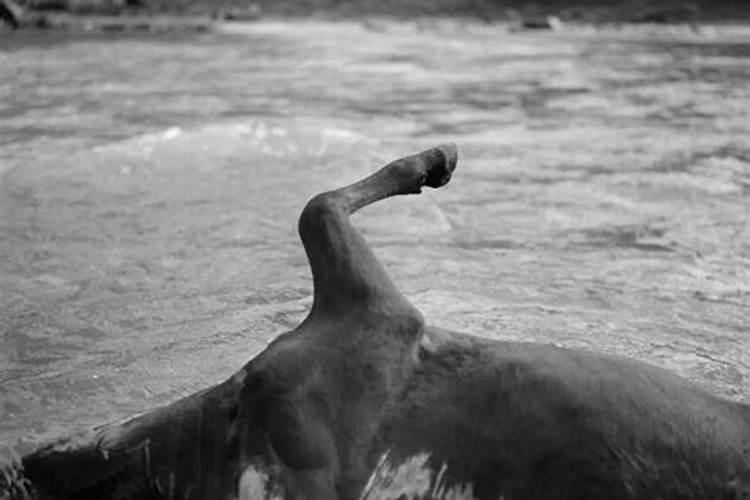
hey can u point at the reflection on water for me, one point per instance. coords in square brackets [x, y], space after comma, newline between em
[150, 186]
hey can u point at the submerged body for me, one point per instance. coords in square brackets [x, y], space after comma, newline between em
[362, 400]
[490, 420]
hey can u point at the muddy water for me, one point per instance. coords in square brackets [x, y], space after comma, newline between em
[150, 189]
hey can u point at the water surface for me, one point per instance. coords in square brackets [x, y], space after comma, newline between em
[151, 184]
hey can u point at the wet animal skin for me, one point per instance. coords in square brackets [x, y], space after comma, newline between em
[363, 400]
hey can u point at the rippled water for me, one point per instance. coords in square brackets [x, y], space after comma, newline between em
[150, 189]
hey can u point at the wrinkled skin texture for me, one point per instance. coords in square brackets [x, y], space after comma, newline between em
[363, 378]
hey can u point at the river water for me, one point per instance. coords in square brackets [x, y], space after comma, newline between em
[151, 184]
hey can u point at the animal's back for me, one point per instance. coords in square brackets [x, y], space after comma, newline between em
[534, 421]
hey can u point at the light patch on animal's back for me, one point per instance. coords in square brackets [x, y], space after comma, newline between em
[256, 484]
[412, 478]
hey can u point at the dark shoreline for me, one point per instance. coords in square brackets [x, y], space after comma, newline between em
[197, 16]
[117, 24]
[133, 24]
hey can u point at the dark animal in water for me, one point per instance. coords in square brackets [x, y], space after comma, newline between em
[363, 400]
